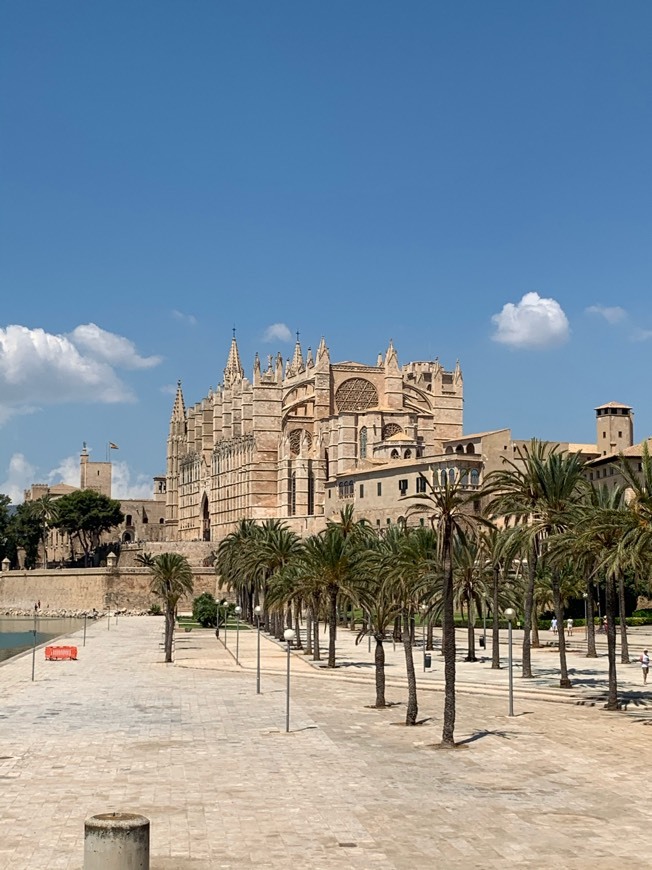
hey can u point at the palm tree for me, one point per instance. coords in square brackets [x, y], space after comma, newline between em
[329, 559]
[539, 491]
[145, 560]
[450, 508]
[171, 579]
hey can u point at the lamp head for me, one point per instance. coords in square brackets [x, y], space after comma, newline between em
[288, 634]
[510, 613]
[258, 610]
[238, 610]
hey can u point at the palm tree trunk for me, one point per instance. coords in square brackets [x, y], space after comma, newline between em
[536, 643]
[169, 633]
[309, 619]
[470, 633]
[448, 639]
[591, 652]
[430, 636]
[622, 612]
[610, 608]
[316, 652]
[528, 602]
[495, 628]
[412, 705]
[379, 661]
[564, 682]
[332, 628]
[297, 626]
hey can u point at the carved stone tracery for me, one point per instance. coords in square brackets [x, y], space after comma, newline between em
[356, 394]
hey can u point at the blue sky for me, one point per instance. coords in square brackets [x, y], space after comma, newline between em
[361, 170]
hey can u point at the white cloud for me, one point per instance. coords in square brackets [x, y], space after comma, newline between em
[126, 484]
[533, 322]
[110, 348]
[612, 314]
[66, 472]
[20, 476]
[190, 319]
[641, 334]
[277, 332]
[169, 389]
[38, 368]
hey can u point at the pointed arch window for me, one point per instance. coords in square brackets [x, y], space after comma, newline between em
[363, 442]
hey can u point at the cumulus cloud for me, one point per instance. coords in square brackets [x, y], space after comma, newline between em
[534, 322]
[39, 368]
[169, 389]
[110, 348]
[67, 471]
[641, 334]
[277, 332]
[612, 314]
[127, 484]
[190, 319]
[20, 476]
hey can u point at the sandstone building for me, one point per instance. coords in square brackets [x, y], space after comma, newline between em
[283, 444]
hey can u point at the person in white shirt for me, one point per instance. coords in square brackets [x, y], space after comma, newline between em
[553, 625]
[569, 627]
[645, 665]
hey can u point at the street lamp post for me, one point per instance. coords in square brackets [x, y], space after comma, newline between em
[85, 615]
[34, 646]
[423, 608]
[226, 619]
[288, 634]
[258, 610]
[238, 611]
[586, 621]
[510, 613]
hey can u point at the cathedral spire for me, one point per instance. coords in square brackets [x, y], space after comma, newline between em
[391, 358]
[179, 408]
[233, 370]
[309, 360]
[297, 365]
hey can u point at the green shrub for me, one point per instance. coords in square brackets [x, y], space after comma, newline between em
[155, 610]
[204, 610]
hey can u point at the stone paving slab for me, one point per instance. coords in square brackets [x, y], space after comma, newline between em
[207, 760]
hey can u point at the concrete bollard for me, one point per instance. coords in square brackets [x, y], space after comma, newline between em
[116, 841]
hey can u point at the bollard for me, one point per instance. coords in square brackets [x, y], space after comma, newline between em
[116, 841]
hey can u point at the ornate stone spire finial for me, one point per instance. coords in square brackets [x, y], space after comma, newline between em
[233, 370]
[391, 357]
[379, 362]
[297, 365]
[322, 351]
[179, 408]
[309, 360]
[257, 363]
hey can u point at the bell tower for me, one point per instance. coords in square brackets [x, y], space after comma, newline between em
[614, 428]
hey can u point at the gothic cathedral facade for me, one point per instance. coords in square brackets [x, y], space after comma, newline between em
[272, 446]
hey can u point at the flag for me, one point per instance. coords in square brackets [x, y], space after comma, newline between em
[113, 446]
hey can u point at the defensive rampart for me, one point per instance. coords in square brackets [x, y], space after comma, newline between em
[82, 589]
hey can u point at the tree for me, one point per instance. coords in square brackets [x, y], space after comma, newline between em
[204, 610]
[5, 501]
[539, 490]
[450, 507]
[171, 579]
[45, 510]
[24, 531]
[84, 514]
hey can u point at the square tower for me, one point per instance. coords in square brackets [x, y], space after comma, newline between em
[615, 428]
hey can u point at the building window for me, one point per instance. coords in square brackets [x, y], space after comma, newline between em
[327, 464]
[311, 490]
[475, 477]
[407, 454]
[362, 490]
[128, 520]
[604, 434]
[444, 478]
[422, 522]
[476, 505]
[611, 472]
[421, 484]
[620, 434]
[329, 493]
[590, 475]
[402, 486]
[394, 454]
[389, 522]
[363, 442]
[292, 492]
[379, 489]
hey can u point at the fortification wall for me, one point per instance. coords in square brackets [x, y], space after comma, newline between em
[82, 589]
[196, 552]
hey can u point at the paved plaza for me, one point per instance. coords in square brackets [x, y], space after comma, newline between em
[196, 750]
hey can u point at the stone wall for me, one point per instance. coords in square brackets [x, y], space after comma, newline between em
[197, 552]
[83, 589]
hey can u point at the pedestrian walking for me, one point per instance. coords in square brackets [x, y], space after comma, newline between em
[645, 665]
[569, 626]
[553, 625]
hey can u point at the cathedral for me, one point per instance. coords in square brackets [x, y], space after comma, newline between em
[283, 443]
